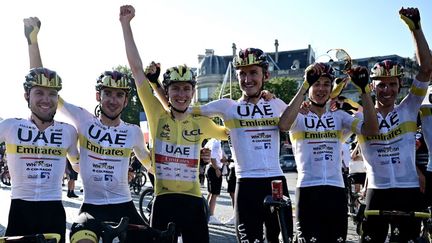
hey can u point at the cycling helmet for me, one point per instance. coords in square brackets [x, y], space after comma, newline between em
[181, 73]
[386, 68]
[250, 56]
[327, 71]
[113, 79]
[42, 77]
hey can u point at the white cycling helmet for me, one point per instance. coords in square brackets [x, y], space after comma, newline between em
[427, 102]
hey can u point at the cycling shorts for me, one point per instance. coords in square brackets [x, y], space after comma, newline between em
[36, 217]
[251, 213]
[186, 211]
[404, 199]
[231, 180]
[321, 214]
[87, 225]
[214, 183]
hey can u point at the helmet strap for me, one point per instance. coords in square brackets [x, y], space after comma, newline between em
[101, 111]
[316, 104]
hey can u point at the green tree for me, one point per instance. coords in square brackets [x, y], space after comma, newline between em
[283, 87]
[131, 113]
[235, 91]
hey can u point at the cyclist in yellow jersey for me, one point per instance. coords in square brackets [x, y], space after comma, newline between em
[36, 149]
[106, 143]
[176, 142]
[393, 183]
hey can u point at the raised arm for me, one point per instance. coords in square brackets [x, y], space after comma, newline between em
[31, 29]
[411, 17]
[360, 78]
[127, 13]
[312, 74]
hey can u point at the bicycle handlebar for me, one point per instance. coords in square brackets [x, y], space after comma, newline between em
[396, 213]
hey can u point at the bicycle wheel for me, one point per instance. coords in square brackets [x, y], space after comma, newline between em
[142, 179]
[146, 203]
[136, 185]
[5, 178]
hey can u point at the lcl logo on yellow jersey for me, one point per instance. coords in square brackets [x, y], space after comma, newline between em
[192, 135]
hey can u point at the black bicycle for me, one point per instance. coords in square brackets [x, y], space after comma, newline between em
[138, 180]
[4, 173]
[426, 232]
[36, 238]
[356, 204]
[280, 206]
[113, 230]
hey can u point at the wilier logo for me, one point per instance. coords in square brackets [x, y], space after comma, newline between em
[192, 135]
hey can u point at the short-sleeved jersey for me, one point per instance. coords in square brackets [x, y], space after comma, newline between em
[104, 155]
[176, 145]
[390, 155]
[254, 134]
[37, 159]
[317, 146]
[426, 120]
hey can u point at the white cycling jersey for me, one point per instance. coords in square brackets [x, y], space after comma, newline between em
[426, 120]
[104, 155]
[317, 146]
[390, 155]
[37, 159]
[254, 134]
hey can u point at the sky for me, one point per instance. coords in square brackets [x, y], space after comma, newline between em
[82, 38]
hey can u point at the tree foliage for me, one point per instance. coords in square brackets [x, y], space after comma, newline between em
[283, 87]
[131, 113]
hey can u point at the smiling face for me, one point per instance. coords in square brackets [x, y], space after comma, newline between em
[180, 95]
[320, 91]
[251, 79]
[42, 102]
[386, 90]
[112, 101]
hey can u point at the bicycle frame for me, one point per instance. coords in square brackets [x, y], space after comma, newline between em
[36, 238]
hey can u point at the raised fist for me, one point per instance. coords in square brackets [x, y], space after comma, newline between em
[312, 74]
[360, 78]
[411, 17]
[152, 72]
[31, 29]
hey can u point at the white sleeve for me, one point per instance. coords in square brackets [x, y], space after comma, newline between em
[140, 148]
[75, 113]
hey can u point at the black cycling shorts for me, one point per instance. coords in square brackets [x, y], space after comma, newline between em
[428, 189]
[30, 217]
[251, 213]
[187, 212]
[404, 199]
[214, 183]
[231, 180]
[73, 175]
[90, 215]
[322, 214]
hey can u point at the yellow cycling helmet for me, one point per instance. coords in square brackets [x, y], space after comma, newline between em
[42, 77]
[181, 73]
[113, 79]
[386, 68]
[249, 57]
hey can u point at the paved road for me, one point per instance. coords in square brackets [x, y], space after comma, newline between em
[218, 233]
